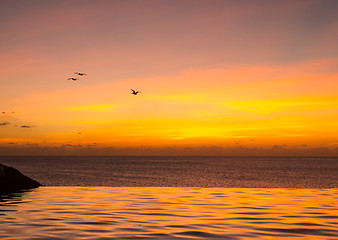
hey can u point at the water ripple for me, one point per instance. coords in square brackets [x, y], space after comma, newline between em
[168, 213]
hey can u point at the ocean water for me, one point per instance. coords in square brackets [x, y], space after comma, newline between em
[236, 172]
[169, 213]
[173, 198]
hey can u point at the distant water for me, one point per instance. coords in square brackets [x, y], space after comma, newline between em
[239, 172]
[169, 213]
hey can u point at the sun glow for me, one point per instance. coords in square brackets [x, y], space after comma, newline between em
[221, 84]
[99, 107]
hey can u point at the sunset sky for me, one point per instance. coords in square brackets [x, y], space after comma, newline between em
[216, 77]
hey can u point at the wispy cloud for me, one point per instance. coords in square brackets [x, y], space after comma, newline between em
[71, 145]
[26, 126]
[79, 150]
[32, 144]
[283, 105]
[8, 112]
[97, 107]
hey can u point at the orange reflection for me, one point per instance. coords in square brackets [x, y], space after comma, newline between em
[172, 212]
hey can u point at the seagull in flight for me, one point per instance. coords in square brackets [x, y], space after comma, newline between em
[74, 79]
[135, 92]
[80, 74]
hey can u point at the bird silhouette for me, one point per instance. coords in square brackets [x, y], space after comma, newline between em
[81, 74]
[74, 79]
[135, 92]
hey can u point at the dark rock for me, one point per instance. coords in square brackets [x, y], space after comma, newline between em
[12, 180]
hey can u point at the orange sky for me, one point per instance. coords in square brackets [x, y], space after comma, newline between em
[216, 77]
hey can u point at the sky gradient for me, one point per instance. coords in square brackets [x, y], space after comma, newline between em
[216, 77]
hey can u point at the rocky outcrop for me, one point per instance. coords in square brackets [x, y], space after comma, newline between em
[12, 180]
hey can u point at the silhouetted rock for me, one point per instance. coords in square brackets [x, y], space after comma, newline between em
[12, 180]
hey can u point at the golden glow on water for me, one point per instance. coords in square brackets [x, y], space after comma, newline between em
[170, 213]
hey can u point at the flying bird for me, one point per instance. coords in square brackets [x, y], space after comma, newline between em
[135, 92]
[80, 74]
[74, 79]
[3, 112]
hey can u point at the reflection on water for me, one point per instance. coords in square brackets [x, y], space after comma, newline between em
[169, 213]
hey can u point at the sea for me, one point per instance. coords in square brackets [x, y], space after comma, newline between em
[173, 198]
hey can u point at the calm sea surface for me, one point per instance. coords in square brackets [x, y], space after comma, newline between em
[173, 198]
[243, 172]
